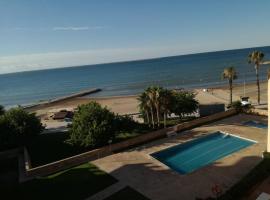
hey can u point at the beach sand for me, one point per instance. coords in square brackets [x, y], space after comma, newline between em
[249, 90]
[129, 104]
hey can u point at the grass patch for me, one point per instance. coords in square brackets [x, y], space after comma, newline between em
[174, 121]
[47, 148]
[9, 171]
[255, 176]
[76, 183]
[137, 130]
[127, 193]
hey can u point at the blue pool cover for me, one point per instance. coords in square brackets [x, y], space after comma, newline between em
[255, 124]
[190, 156]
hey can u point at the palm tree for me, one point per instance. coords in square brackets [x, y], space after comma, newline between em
[166, 101]
[150, 102]
[144, 107]
[155, 101]
[256, 58]
[230, 74]
[157, 97]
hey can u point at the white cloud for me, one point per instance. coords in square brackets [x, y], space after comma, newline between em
[70, 28]
[77, 28]
[66, 59]
[57, 28]
[76, 58]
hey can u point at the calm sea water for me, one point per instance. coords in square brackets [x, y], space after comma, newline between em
[126, 78]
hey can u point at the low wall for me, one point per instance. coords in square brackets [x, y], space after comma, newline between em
[94, 154]
[27, 161]
[107, 150]
[255, 111]
[204, 120]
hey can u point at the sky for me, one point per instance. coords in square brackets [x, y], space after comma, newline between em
[40, 34]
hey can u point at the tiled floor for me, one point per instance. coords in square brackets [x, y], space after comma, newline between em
[139, 170]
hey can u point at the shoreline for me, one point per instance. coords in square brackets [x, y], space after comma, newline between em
[219, 94]
[62, 99]
[84, 95]
[128, 104]
[223, 87]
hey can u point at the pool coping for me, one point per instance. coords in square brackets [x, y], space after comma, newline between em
[243, 138]
[149, 155]
[155, 180]
[257, 122]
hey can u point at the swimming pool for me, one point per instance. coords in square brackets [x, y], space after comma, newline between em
[256, 124]
[190, 156]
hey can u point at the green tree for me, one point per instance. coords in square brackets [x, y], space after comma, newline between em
[144, 107]
[157, 95]
[125, 123]
[159, 101]
[2, 110]
[18, 128]
[150, 101]
[93, 125]
[184, 103]
[230, 74]
[256, 57]
[166, 99]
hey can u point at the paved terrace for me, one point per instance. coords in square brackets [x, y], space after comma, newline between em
[139, 170]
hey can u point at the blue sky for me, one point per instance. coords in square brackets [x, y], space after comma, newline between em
[38, 34]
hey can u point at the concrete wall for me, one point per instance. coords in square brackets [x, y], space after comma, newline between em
[107, 150]
[93, 155]
[255, 111]
[204, 120]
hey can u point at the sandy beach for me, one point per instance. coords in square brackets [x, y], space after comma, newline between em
[129, 104]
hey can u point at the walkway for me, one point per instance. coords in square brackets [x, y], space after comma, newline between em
[107, 192]
[260, 188]
[137, 169]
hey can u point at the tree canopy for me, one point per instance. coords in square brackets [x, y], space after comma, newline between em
[156, 101]
[2, 110]
[94, 125]
[230, 74]
[18, 127]
[256, 57]
[184, 103]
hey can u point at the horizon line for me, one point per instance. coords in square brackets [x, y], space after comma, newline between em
[125, 61]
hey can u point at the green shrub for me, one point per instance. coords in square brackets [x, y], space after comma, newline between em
[184, 103]
[93, 125]
[18, 127]
[2, 110]
[236, 105]
[125, 123]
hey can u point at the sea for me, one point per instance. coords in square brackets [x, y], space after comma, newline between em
[202, 70]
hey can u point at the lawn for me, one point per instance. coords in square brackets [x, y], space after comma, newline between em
[255, 176]
[8, 171]
[127, 193]
[76, 183]
[47, 148]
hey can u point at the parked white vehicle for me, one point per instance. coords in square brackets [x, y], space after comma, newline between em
[245, 101]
